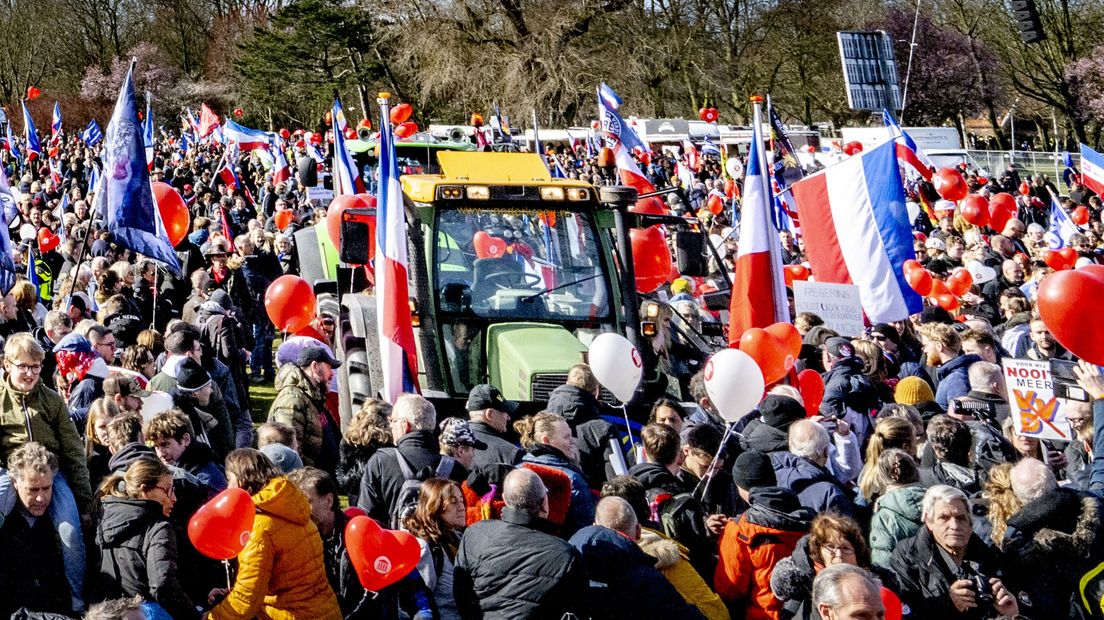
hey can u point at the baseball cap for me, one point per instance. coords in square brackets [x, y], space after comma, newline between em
[124, 385]
[485, 396]
[934, 243]
[457, 432]
[839, 346]
[315, 354]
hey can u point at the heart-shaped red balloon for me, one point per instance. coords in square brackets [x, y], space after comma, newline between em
[920, 280]
[283, 218]
[950, 184]
[487, 246]
[911, 265]
[788, 336]
[960, 281]
[1069, 256]
[794, 273]
[811, 386]
[768, 352]
[380, 557]
[221, 527]
[47, 240]
[1060, 260]
[1069, 304]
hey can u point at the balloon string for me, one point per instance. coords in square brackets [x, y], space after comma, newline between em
[712, 469]
[226, 564]
[628, 425]
[360, 603]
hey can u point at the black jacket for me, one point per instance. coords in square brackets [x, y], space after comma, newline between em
[624, 580]
[509, 569]
[593, 434]
[765, 438]
[498, 450]
[383, 479]
[31, 570]
[138, 555]
[850, 395]
[351, 463]
[655, 476]
[925, 578]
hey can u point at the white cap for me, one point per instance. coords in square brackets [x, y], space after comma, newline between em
[934, 243]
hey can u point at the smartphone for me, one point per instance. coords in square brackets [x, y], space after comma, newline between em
[1065, 382]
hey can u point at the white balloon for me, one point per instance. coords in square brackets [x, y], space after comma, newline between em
[734, 168]
[27, 232]
[616, 364]
[1082, 262]
[734, 383]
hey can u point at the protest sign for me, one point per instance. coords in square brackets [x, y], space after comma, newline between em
[1036, 411]
[838, 304]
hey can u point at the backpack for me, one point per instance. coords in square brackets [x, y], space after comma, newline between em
[411, 488]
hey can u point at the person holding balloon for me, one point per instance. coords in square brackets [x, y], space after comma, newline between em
[281, 573]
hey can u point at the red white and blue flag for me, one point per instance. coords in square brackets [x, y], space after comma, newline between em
[247, 139]
[147, 132]
[758, 288]
[55, 122]
[398, 352]
[208, 121]
[614, 134]
[281, 171]
[1092, 170]
[857, 231]
[346, 176]
[907, 151]
[34, 147]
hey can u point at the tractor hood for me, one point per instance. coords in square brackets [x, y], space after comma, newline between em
[528, 360]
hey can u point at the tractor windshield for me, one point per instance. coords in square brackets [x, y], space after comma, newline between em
[520, 264]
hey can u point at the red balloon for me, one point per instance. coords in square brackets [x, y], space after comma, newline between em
[950, 184]
[893, 607]
[651, 258]
[1080, 215]
[730, 188]
[650, 205]
[47, 240]
[285, 134]
[33, 93]
[1025, 189]
[982, 181]
[221, 527]
[975, 209]
[911, 265]
[316, 139]
[487, 246]
[400, 113]
[1002, 208]
[1069, 304]
[768, 352]
[380, 557]
[939, 287]
[238, 112]
[405, 130]
[1060, 260]
[290, 303]
[708, 115]
[852, 148]
[811, 386]
[794, 273]
[948, 302]
[173, 210]
[283, 218]
[960, 281]
[338, 206]
[715, 204]
[920, 280]
[788, 336]
[355, 511]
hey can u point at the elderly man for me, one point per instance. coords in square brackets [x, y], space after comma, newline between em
[301, 404]
[490, 418]
[946, 571]
[1011, 276]
[510, 568]
[847, 592]
[804, 468]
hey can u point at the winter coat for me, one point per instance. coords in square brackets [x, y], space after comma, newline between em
[138, 555]
[583, 503]
[925, 578]
[897, 516]
[300, 403]
[383, 478]
[583, 413]
[498, 450]
[199, 460]
[628, 584]
[281, 573]
[50, 426]
[815, 486]
[765, 438]
[953, 379]
[656, 476]
[32, 572]
[1049, 545]
[850, 395]
[751, 547]
[507, 569]
[673, 560]
[351, 462]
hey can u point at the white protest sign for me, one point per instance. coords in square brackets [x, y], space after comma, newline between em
[838, 304]
[1036, 412]
[321, 194]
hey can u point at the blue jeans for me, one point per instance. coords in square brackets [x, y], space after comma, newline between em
[261, 360]
[63, 513]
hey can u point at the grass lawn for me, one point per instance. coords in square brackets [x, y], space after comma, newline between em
[261, 397]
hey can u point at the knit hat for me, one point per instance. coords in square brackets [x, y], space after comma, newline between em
[913, 391]
[457, 432]
[753, 469]
[191, 377]
[890, 332]
[284, 458]
[935, 314]
[780, 411]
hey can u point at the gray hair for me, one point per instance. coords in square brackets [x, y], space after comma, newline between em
[523, 490]
[616, 514]
[32, 458]
[828, 585]
[942, 493]
[983, 375]
[417, 410]
[808, 439]
[1032, 479]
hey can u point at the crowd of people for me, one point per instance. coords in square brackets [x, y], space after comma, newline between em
[909, 484]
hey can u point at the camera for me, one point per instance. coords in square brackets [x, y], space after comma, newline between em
[979, 582]
[1065, 382]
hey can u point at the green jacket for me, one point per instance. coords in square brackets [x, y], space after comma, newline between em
[300, 404]
[897, 516]
[50, 426]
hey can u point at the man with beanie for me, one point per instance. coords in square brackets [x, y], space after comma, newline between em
[769, 432]
[752, 545]
[848, 393]
[192, 395]
[301, 404]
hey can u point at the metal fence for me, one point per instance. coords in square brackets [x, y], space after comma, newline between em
[1028, 162]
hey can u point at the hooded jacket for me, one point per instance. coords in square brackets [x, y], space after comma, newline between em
[850, 395]
[498, 450]
[897, 516]
[765, 438]
[673, 560]
[199, 460]
[583, 503]
[281, 572]
[138, 555]
[751, 547]
[50, 426]
[300, 403]
[815, 486]
[954, 380]
[629, 585]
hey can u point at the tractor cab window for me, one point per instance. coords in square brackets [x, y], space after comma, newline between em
[519, 264]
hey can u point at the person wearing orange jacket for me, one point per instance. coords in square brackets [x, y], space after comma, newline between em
[764, 534]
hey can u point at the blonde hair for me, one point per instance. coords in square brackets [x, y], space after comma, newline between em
[369, 425]
[531, 427]
[141, 475]
[23, 343]
[1003, 502]
[943, 334]
[101, 408]
[888, 433]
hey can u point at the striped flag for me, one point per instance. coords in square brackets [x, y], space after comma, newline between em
[346, 175]
[92, 134]
[34, 147]
[1092, 170]
[396, 333]
[1061, 227]
[759, 289]
[147, 132]
[55, 122]
[857, 231]
[615, 133]
[208, 121]
[907, 151]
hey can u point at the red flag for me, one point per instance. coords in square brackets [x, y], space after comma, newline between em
[208, 121]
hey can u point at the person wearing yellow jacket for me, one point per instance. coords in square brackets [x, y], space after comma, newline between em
[673, 561]
[281, 572]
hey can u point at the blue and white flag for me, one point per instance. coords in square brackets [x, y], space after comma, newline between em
[606, 94]
[55, 122]
[34, 147]
[346, 175]
[147, 132]
[1061, 227]
[92, 133]
[709, 148]
[132, 215]
[8, 208]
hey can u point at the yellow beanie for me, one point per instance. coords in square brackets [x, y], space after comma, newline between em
[681, 285]
[913, 391]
